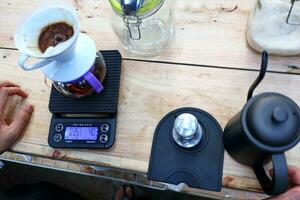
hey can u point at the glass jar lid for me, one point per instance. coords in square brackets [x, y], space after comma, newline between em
[148, 7]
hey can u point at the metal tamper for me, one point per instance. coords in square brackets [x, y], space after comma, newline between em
[187, 132]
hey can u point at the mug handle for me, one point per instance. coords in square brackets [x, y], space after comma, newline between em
[94, 82]
[22, 62]
[279, 182]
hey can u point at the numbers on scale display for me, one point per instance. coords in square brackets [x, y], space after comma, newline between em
[74, 132]
[81, 133]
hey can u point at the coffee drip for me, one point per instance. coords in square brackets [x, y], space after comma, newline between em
[67, 57]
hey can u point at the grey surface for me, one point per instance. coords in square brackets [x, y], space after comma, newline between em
[91, 188]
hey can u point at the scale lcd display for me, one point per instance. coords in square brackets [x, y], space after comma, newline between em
[81, 133]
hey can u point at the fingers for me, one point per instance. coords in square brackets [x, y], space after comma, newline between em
[294, 175]
[9, 134]
[292, 194]
[21, 120]
[5, 92]
[271, 172]
[8, 84]
[10, 91]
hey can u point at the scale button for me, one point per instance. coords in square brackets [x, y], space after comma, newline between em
[105, 128]
[57, 137]
[103, 138]
[59, 127]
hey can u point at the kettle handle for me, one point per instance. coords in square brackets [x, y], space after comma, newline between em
[279, 182]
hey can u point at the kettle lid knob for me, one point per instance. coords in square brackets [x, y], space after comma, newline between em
[280, 114]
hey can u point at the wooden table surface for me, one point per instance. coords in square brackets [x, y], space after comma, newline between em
[209, 66]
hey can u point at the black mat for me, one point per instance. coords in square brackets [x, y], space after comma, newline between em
[105, 102]
[200, 167]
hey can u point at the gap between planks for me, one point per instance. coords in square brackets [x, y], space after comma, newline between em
[189, 64]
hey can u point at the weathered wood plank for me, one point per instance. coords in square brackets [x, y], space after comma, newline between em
[148, 91]
[209, 32]
[140, 179]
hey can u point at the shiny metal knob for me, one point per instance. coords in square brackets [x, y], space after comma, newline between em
[131, 7]
[187, 131]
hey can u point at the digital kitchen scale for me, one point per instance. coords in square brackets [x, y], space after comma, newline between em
[89, 122]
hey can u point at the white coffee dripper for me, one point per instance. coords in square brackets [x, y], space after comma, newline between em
[69, 61]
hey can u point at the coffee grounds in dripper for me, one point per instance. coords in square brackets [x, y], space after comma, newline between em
[54, 34]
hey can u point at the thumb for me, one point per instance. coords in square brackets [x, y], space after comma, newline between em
[21, 120]
[294, 175]
[291, 194]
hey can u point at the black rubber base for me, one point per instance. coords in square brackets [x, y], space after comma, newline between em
[200, 167]
[97, 109]
[106, 102]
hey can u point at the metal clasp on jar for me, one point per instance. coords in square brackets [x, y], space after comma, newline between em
[289, 16]
[133, 27]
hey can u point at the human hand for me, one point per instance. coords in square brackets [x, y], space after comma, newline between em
[9, 133]
[294, 192]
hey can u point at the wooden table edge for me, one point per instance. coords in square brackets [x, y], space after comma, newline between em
[228, 181]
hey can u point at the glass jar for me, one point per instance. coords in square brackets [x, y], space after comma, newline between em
[82, 87]
[146, 28]
[274, 26]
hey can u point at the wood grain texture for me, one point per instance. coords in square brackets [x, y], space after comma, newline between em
[149, 91]
[208, 32]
